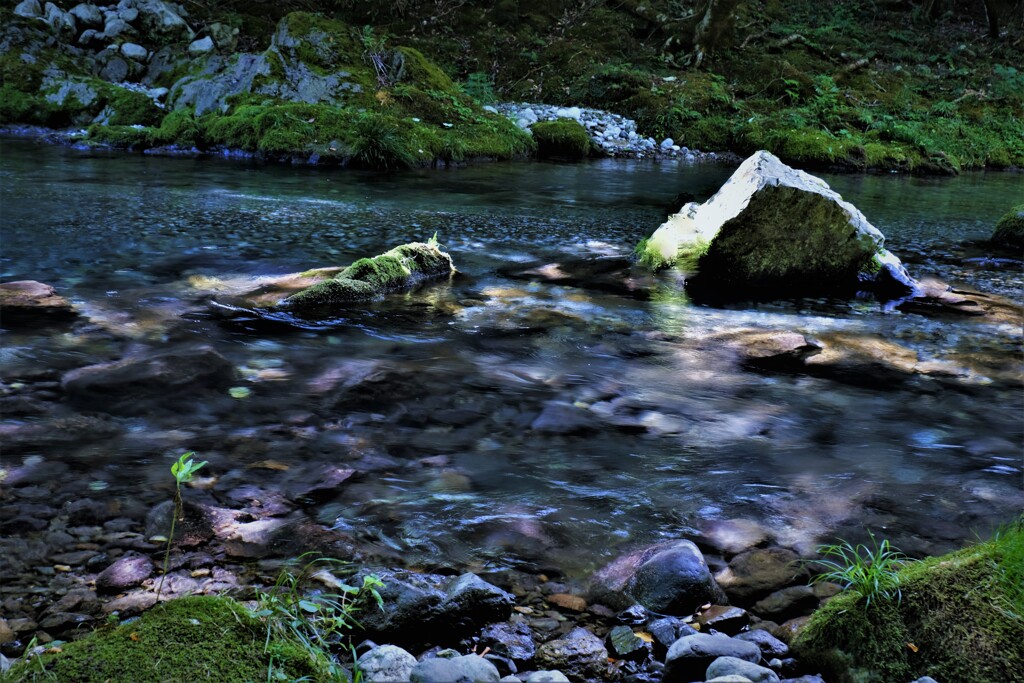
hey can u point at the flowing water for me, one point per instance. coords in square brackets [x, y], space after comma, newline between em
[431, 396]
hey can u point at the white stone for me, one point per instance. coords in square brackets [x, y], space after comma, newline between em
[201, 47]
[613, 132]
[667, 143]
[134, 51]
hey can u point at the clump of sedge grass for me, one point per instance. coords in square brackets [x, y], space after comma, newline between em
[872, 572]
[318, 621]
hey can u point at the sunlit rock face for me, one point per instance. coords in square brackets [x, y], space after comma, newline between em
[772, 228]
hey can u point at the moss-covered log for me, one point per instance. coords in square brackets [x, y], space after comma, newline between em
[403, 267]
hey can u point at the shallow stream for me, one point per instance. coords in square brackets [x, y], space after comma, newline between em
[431, 396]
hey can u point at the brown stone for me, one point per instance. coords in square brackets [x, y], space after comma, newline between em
[27, 300]
[569, 602]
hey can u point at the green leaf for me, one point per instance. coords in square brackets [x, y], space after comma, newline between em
[309, 606]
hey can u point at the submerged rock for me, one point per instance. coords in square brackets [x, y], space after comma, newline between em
[772, 228]
[27, 301]
[403, 267]
[119, 385]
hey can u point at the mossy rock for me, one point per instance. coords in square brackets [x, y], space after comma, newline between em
[1010, 229]
[199, 638]
[403, 267]
[564, 138]
[959, 620]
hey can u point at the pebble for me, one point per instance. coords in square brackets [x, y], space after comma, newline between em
[616, 135]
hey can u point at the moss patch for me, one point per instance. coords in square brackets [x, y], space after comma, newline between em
[190, 639]
[368, 278]
[562, 138]
[1010, 229]
[956, 611]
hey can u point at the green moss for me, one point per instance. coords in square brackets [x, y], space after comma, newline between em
[189, 639]
[1010, 229]
[953, 612]
[178, 128]
[130, 107]
[121, 137]
[326, 43]
[561, 138]
[368, 278]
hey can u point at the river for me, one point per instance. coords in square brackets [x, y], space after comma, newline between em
[430, 397]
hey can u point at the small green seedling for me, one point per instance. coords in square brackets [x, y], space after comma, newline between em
[182, 470]
[873, 571]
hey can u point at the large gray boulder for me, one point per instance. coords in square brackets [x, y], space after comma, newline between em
[62, 23]
[772, 228]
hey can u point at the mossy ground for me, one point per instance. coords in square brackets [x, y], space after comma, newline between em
[960, 620]
[863, 86]
[190, 639]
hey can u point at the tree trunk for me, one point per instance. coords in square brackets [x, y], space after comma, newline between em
[993, 19]
[713, 26]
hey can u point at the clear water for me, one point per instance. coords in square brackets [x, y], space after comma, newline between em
[450, 471]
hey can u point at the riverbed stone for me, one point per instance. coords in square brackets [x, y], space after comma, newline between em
[127, 572]
[547, 677]
[561, 417]
[689, 657]
[455, 670]
[120, 384]
[754, 574]
[787, 603]
[27, 302]
[1009, 232]
[733, 666]
[771, 647]
[448, 608]
[733, 536]
[817, 242]
[511, 639]
[579, 654]
[725, 619]
[385, 664]
[674, 580]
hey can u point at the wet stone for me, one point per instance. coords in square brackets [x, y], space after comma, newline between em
[512, 639]
[787, 603]
[756, 573]
[623, 643]
[769, 644]
[727, 620]
[580, 655]
[689, 657]
[126, 572]
[733, 666]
